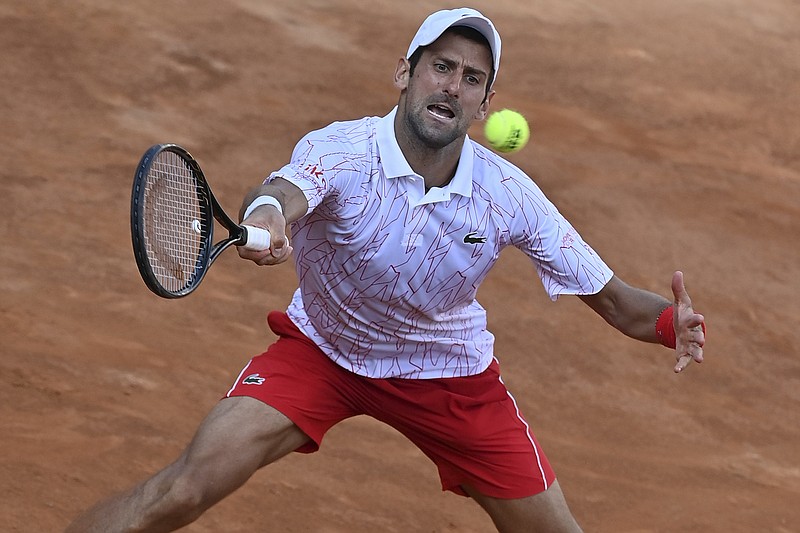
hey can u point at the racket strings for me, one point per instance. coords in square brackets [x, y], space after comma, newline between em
[175, 229]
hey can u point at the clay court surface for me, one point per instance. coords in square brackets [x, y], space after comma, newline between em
[667, 132]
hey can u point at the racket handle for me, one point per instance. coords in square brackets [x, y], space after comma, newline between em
[256, 238]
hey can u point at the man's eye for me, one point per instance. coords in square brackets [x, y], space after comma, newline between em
[441, 67]
[473, 80]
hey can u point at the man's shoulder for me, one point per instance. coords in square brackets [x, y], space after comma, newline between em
[492, 170]
[351, 131]
[342, 140]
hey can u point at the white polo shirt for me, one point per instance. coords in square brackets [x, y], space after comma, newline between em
[388, 274]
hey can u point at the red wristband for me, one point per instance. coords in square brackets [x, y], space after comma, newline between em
[665, 328]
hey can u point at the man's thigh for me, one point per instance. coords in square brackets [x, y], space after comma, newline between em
[239, 436]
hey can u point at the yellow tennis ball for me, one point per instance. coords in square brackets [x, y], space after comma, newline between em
[507, 131]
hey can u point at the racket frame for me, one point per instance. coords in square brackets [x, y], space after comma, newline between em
[210, 210]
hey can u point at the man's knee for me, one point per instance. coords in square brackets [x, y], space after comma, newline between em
[178, 496]
[187, 497]
[545, 512]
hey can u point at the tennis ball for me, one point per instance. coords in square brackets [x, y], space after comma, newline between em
[507, 131]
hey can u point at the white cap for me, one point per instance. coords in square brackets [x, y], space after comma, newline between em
[435, 25]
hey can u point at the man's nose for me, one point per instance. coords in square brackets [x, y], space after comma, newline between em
[453, 84]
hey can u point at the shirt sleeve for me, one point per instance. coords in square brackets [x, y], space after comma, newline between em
[566, 264]
[324, 162]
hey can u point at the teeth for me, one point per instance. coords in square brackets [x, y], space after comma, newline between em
[441, 111]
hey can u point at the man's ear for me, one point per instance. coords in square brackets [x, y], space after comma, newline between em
[402, 73]
[483, 110]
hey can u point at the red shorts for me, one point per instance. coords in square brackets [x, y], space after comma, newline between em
[469, 427]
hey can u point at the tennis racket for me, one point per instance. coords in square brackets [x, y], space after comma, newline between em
[172, 222]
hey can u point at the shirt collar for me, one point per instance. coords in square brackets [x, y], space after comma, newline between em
[395, 164]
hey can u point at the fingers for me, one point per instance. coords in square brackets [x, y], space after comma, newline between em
[270, 219]
[684, 312]
[679, 290]
[278, 251]
[279, 245]
[683, 362]
[689, 326]
[695, 354]
[690, 344]
[274, 255]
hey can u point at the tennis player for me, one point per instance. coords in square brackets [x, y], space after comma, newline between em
[395, 222]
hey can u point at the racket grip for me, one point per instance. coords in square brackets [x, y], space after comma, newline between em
[256, 238]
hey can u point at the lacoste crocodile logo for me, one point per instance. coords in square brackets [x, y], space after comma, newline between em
[253, 379]
[470, 238]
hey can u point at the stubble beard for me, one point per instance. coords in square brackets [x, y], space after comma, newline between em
[428, 135]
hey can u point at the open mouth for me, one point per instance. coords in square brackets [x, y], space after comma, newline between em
[441, 111]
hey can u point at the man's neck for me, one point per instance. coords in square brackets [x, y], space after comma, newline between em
[437, 166]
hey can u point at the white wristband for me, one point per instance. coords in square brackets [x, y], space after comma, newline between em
[263, 200]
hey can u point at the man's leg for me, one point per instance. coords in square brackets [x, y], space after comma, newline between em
[239, 436]
[546, 512]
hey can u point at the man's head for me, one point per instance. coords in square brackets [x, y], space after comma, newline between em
[446, 79]
[468, 33]
[437, 23]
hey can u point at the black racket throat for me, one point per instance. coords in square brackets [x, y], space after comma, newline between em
[237, 235]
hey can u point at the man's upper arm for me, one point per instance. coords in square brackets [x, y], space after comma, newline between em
[604, 301]
[291, 197]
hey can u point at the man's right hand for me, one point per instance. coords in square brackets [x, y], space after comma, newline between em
[269, 218]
